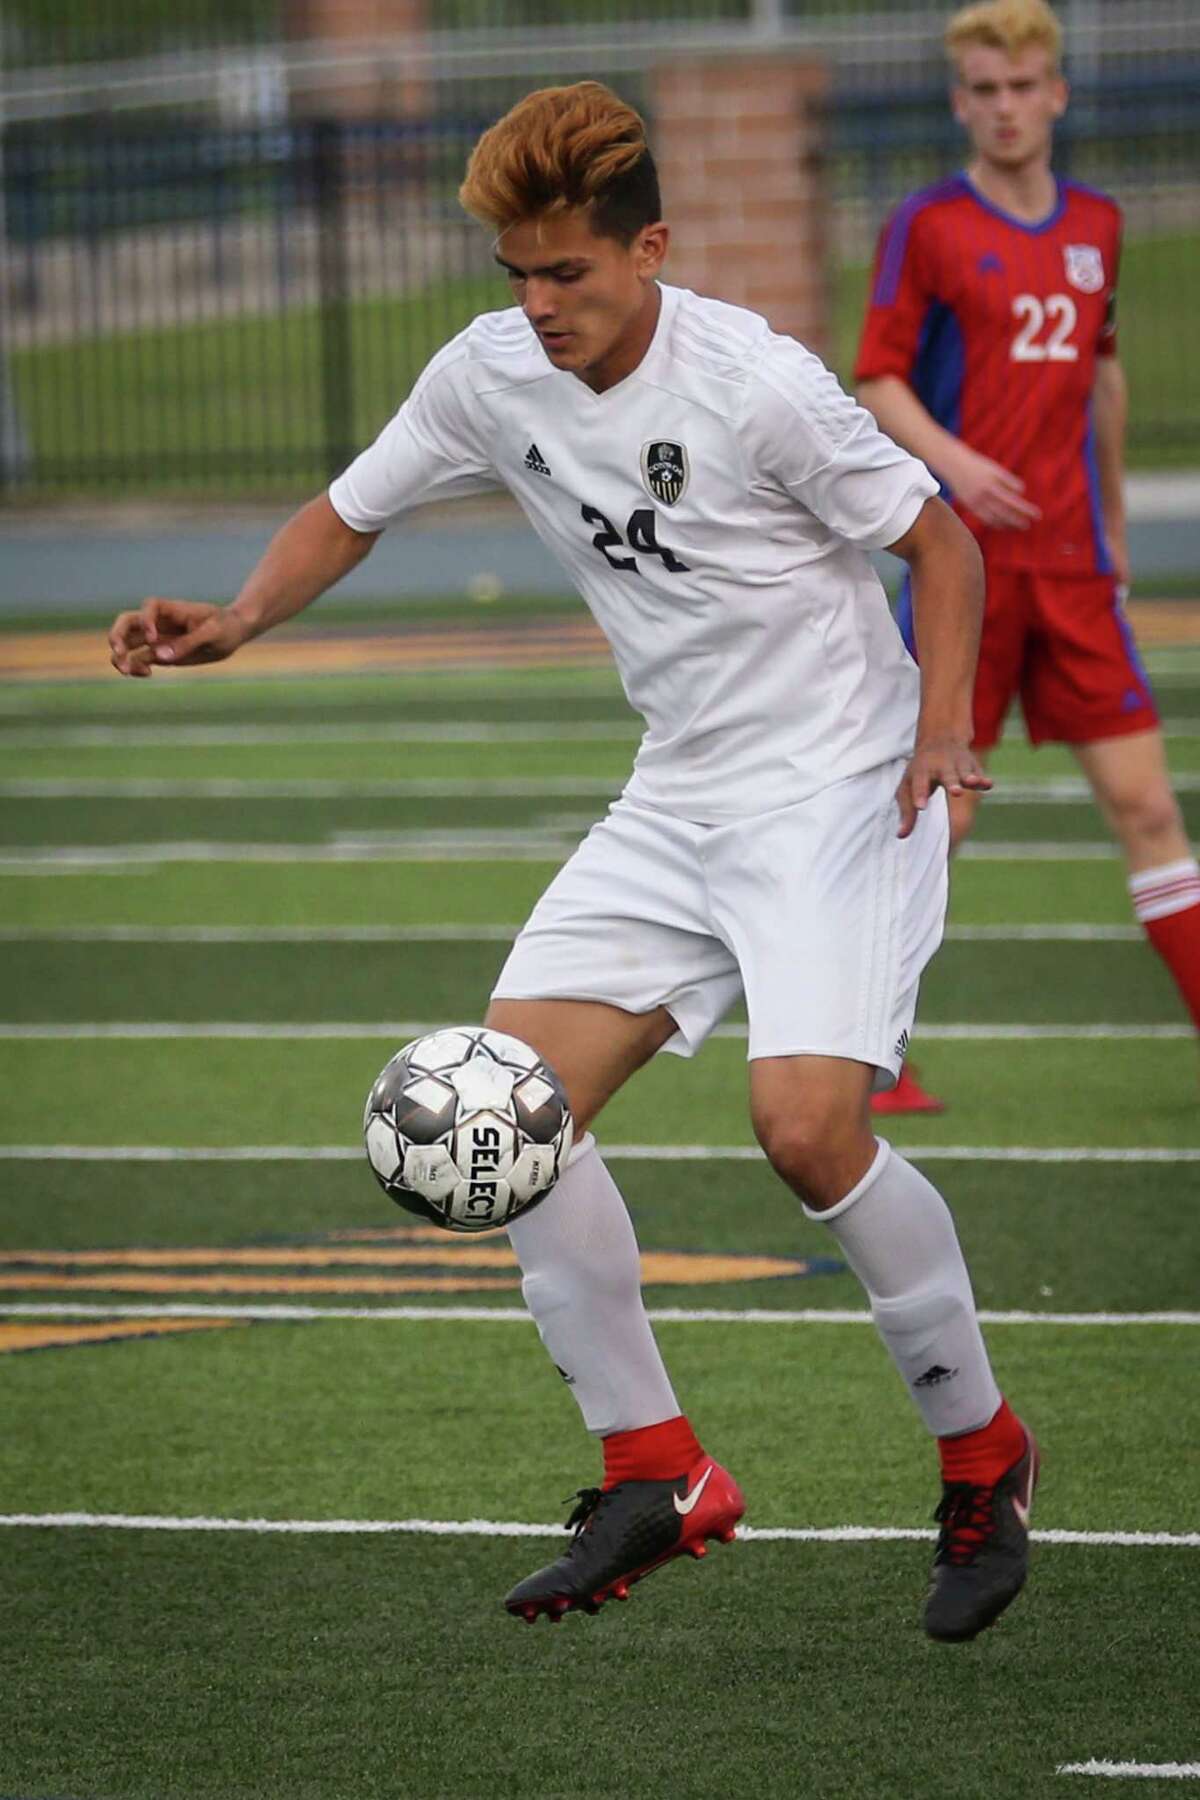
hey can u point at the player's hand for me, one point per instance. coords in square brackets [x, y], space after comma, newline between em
[993, 493]
[940, 762]
[1117, 545]
[173, 633]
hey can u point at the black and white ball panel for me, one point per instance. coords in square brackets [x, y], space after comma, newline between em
[467, 1127]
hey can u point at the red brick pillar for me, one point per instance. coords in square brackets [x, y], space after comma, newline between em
[381, 84]
[739, 144]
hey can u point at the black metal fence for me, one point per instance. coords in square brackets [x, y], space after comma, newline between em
[191, 307]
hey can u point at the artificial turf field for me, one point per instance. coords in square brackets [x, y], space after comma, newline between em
[209, 1314]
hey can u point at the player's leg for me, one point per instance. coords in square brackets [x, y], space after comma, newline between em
[578, 1253]
[1132, 785]
[1089, 689]
[864, 913]
[897, 1234]
[577, 1249]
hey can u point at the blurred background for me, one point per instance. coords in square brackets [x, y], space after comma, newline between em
[231, 238]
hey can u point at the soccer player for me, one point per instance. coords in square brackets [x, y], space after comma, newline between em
[990, 351]
[713, 494]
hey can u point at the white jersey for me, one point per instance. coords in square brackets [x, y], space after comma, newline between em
[714, 508]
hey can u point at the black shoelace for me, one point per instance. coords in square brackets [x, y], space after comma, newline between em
[967, 1517]
[586, 1502]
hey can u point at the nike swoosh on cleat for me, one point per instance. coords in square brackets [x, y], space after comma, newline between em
[1024, 1506]
[685, 1506]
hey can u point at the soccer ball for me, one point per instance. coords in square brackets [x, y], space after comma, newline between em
[468, 1128]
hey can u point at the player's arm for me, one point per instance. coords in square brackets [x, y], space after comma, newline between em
[909, 278]
[993, 493]
[308, 555]
[947, 583]
[1110, 409]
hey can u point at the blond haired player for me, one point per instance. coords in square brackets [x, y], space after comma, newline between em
[713, 494]
[990, 351]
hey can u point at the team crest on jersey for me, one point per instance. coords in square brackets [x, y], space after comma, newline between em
[1085, 267]
[665, 470]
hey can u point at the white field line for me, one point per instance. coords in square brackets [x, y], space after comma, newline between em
[521, 844]
[322, 1030]
[168, 737]
[471, 934]
[1061, 791]
[518, 845]
[753, 1534]
[532, 845]
[234, 737]
[287, 1312]
[1132, 1771]
[153, 787]
[1031, 850]
[316, 1030]
[238, 1153]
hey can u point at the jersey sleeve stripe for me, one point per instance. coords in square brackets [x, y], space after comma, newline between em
[891, 263]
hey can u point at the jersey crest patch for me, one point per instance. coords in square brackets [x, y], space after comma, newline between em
[665, 470]
[1085, 267]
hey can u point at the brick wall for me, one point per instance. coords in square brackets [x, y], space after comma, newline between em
[739, 144]
[390, 90]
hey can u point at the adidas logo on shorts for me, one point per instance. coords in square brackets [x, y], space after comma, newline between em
[536, 461]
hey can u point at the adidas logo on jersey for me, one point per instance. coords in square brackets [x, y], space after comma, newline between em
[536, 461]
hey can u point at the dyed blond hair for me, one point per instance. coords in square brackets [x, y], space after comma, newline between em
[561, 148]
[1008, 25]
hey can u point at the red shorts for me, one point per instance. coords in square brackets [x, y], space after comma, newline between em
[1065, 647]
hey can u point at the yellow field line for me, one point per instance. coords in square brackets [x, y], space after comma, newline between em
[553, 641]
[83, 655]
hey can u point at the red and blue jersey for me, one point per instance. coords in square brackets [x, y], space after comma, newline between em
[996, 325]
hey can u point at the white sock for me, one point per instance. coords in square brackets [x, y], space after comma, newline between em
[583, 1285]
[900, 1240]
[1171, 888]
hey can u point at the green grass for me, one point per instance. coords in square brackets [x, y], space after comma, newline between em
[177, 408]
[190, 1665]
[51, 820]
[1101, 1234]
[242, 393]
[314, 894]
[280, 1091]
[1048, 983]
[585, 760]
[330, 1668]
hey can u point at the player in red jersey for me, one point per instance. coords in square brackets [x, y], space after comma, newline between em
[990, 350]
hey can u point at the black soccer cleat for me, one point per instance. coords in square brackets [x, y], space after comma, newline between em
[982, 1555]
[624, 1533]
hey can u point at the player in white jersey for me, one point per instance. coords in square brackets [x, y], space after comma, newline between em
[713, 494]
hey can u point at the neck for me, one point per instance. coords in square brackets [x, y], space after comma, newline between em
[1029, 191]
[630, 347]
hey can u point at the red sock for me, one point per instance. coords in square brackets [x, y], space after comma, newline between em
[982, 1457]
[1177, 940]
[652, 1453]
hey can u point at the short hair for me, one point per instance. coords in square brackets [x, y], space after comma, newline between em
[1009, 25]
[562, 148]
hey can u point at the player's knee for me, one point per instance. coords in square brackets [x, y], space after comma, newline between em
[1145, 816]
[811, 1148]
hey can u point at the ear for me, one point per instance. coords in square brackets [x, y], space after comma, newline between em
[1062, 95]
[650, 250]
[958, 103]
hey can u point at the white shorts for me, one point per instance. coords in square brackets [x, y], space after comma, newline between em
[818, 913]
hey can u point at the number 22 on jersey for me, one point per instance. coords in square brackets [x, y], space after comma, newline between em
[1044, 329]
